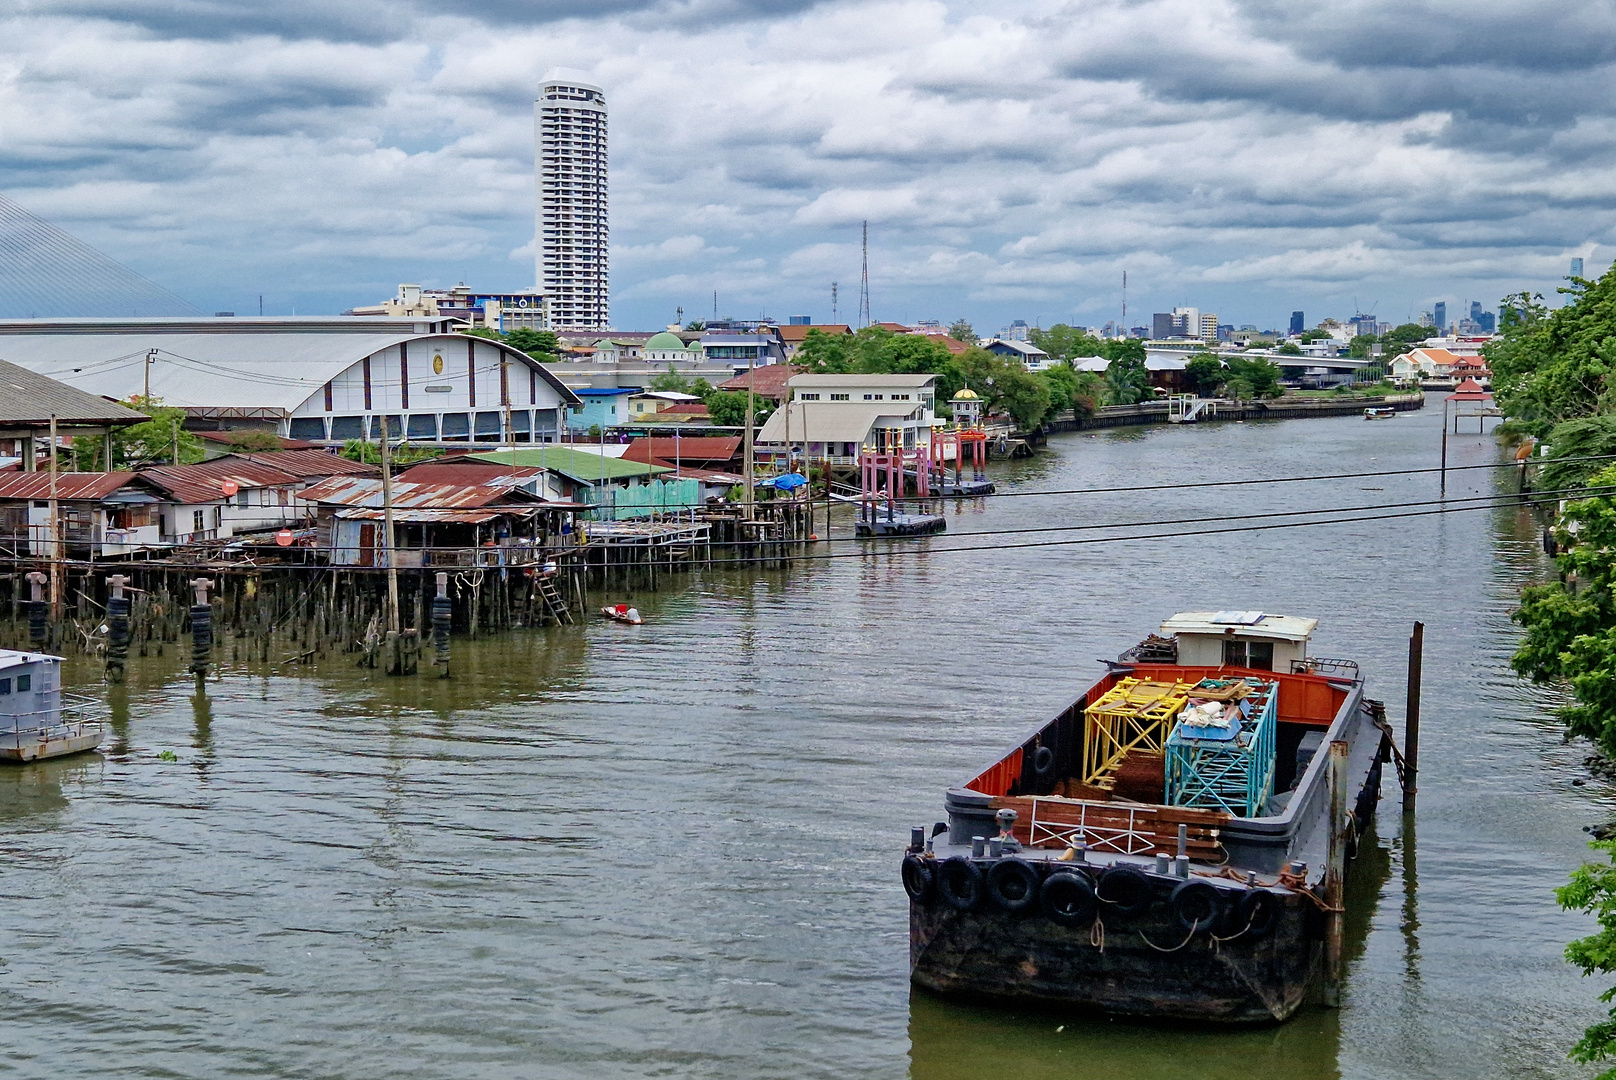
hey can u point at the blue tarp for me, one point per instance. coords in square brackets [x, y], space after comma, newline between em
[789, 482]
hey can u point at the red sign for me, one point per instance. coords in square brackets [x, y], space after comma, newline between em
[229, 487]
[284, 538]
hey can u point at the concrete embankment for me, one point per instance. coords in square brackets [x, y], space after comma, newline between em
[1155, 412]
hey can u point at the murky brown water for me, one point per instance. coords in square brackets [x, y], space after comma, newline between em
[672, 850]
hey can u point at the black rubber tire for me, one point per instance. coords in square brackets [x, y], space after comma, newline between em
[1124, 889]
[1257, 914]
[1013, 884]
[1043, 760]
[1068, 899]
[960, 884]
[918, 880]
[1197, 905]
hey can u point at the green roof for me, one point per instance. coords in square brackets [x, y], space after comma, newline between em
[580, 465]
[664, 340]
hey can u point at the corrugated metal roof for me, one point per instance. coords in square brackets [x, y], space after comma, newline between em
[462, 471]
[204, 481]
[427, 515]
[272, 369]
[367, 492]
[830, 421]
[580, 465]
[305, 464]
[707, 448]
[28, 399]
[69, 486]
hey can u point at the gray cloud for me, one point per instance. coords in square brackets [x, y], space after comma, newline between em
[1013, 159]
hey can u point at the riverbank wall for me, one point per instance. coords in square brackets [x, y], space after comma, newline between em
[1156, 412]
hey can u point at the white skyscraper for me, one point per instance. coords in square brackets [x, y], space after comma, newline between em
[569, 151]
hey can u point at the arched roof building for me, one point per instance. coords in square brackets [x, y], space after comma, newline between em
[315, 378]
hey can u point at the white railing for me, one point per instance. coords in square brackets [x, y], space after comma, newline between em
[76, 714]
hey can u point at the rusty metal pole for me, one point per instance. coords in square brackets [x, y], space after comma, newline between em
[55, 533]
[387, 528]
[117, 627]
[1411, 718]
[1335, 874]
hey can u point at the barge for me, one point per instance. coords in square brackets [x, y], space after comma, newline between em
[1171, 845]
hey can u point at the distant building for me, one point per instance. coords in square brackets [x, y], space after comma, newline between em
[500, 311]
[569, 121]
[1576, 267]
[800, 320]
[1031, 356]
[1298, 323]
[830, 417]
[1441, 317]
[1361, 324]
[1016, 331]
[1207, 327]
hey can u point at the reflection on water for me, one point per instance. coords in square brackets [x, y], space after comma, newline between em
[672, 849]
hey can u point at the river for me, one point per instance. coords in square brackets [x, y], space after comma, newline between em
[672, 850]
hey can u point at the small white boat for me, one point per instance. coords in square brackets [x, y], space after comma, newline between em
[1379, 412]
[622, 613]
[37, 720]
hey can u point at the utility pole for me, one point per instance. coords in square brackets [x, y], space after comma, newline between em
[751, 366]
[151, 358]
[55, 533]
[864, 282]
[387, 529]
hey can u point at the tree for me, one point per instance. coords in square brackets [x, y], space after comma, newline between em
[1207, 373]
[962, 331]
[695, 325]
[1584, 437]
[1126, 382]
[671, 382]
[148, 443]
[539, 344]
[1064, 342]
[727, 408]
[1592, 889]
[1123, 349]
[874, 351]
[1290, 348]
[1549, 367]
[1260, 374]
[1005, 386]
[399, 454]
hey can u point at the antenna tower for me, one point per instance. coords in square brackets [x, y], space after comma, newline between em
[864, 281]
[715, 305]
[1125, 303]
[833, 302]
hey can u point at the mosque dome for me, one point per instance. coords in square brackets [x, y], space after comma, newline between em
[966, 394]
[664, 340]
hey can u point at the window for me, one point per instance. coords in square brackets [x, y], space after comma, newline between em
[838, 397]
[218, 516]
[456, 426]
[24, 683]
[241, 497]
[196, 521]
[488, 427]
[308, 427]
[809, 397]
[423, 426]
[1249, 654]
[395, 428]
[5, 686]
[344, 428]
[900, 397]
[869, 397]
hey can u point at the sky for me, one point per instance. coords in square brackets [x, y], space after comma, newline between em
[1013, 159]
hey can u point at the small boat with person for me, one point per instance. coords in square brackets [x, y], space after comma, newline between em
[1172, 845]
[622, 613]
[38, 720]
[1379, 412]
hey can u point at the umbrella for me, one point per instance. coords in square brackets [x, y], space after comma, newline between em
[789, 482]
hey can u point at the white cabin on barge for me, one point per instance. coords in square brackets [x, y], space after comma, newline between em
[36, 720]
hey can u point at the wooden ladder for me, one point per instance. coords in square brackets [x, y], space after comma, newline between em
[553, 601]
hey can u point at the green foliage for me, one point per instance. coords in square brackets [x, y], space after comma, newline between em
[962, 331]
[1257, 372]
[1080, 391]
[1123, 349]
[727, 408]
[1290, 348]
[876, 351]
[1588, 436]
[1592, 889]
[1064, 342]
[1239, 389]
[671, 382]
[400, 454]
[1394, 342]
[1005, 386]
[1127, 382]
[253, 442]
[539, 344]
[1207, 373]
[148, 443]
[695, 325]
[1571, 623]
[1552, 366]
[484, 332]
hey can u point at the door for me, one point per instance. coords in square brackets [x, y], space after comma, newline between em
[367, 543]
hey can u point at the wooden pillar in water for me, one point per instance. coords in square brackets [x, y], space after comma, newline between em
[1411, 718]
[1335, 874]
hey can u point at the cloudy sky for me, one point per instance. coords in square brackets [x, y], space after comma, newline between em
[1013, 158]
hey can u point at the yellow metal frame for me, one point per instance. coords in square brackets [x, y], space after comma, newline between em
[1132, 715]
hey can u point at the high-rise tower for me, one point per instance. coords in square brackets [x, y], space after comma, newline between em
[569, 150]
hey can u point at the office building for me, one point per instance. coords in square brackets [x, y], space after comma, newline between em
[1298, 324]
[1441, 316]
[1207, 328]
[569, 135]
[1576, 267]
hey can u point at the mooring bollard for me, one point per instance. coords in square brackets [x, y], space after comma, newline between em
[117, 627]
[36, 607]
[201, 628]
[442, 610]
